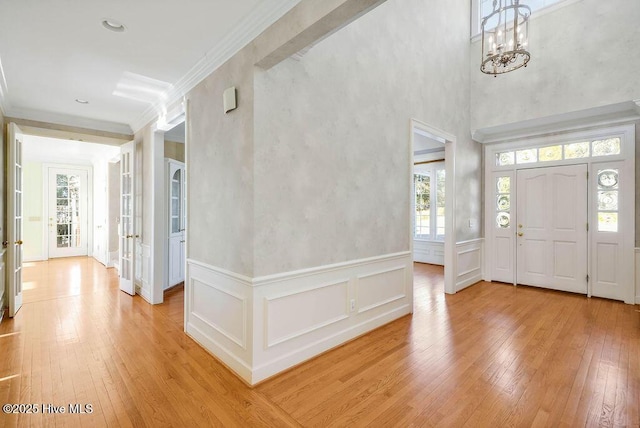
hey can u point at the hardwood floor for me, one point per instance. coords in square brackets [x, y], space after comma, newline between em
[492, 355]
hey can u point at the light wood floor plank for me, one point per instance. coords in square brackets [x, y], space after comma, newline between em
[491, 355]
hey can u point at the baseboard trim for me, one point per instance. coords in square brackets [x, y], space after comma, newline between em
[312, 350]
[288, 318]
[469, 263]
[144, 292]
[221, 353]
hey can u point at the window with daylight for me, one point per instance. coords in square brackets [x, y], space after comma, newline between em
[428, 185]
[577, 150]
[608, 200]
[482, 8]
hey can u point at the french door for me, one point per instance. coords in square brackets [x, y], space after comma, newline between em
[68, 212]
[128, 233]
[551, 232]
[14, 218]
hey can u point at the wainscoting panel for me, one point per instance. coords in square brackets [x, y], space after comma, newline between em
[295, 314]
[428, 252]
[298, 315]
[218, 313]
[221, 310]
[142, 269]
[261, 326]
[379, 288]
[469, 262]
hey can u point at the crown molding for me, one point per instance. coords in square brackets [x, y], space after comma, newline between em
[597, 116]
[263, 16]
[68, 120]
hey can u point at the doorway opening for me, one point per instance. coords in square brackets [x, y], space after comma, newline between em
[560, 212]
[432, 199]
[551, 249]
[65, 203]
[175, 207]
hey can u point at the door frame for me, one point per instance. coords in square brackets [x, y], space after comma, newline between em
[626, 163]
[449, 141]
[168, 163]
[45, 204]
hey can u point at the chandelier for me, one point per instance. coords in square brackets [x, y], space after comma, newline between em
[505, 35]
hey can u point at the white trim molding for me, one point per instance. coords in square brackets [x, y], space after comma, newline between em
[143, 285]
[425, 251]
[469, 262]
[637, 275]
[260, 18]
[261, 326]
[3, 301]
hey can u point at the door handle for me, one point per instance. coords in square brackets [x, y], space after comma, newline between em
[19, 242]
[520, 233]
[182, 241]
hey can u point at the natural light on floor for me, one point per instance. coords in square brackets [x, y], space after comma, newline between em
[9, 377]
[29, 285]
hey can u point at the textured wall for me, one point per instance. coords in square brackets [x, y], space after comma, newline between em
[333, 142]
[174, 150]
[220, 175]
[583, 55]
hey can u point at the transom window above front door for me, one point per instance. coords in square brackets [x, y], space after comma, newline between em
[559, 152]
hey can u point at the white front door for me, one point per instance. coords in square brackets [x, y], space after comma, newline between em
[127, 218]
[68, 213]
[552, 227]
[14, 218]
[176, 223]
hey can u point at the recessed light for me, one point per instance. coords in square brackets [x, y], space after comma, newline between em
[113, 25]
[81, 101]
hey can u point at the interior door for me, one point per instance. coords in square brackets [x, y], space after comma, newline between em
[552, 228]
[176, 224]
[127, 232]
[14, 217]
[68, 213]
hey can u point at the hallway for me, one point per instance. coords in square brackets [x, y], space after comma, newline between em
[491, 355]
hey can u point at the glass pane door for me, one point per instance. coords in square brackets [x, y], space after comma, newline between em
[68, 211]
[68, 226]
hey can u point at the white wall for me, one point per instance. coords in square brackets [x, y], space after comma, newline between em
[299, 200]
[220, 176]
[332, 135]
[33, 212]
[583, 55]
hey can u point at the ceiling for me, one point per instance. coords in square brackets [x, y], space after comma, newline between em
[54, 52]
[44, 149]
[423, 143]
